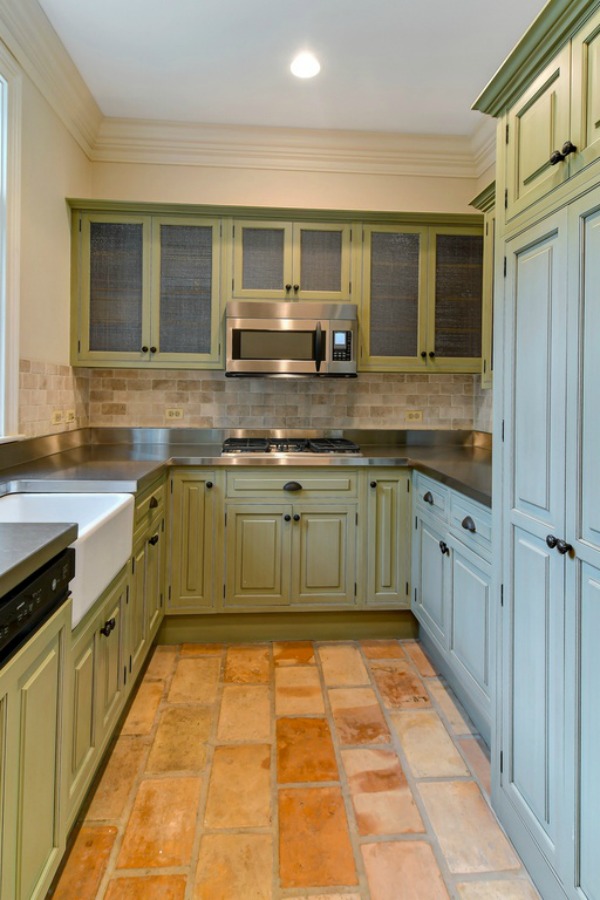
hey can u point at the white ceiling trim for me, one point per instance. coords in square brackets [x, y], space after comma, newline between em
[27, 33]
[137, 141]
[483, 146]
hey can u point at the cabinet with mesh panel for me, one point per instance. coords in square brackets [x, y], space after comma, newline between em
[146, 290]
[277, 260]
[421, 298]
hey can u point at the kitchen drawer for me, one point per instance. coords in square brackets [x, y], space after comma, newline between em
[150, 506]
[431, 496]
[303, 484]
[471, 523]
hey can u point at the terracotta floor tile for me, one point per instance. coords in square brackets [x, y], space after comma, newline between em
[415, 652]
[235, 866]
[383, 802]
[160, 831]
[202, 649]
[509, 889]
[398, 685]
[342, 665]
[458, 719]
[375, 649]
[293, 653]
[314, 843]
[112, 793]
[403, 871]
[195, 680]
[150, 887]
[352, 896]
[358, 717]
[239, 792]
[305, 751]
[247, 665]
[470, 838]
[478, 757]
[162, 662]
[298, 691]
[88, 860]
[245, 713]
[179, 743]
[140, 718]
[428, 747]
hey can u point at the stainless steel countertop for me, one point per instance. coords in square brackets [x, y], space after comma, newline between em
[129, 467]
[24, 548]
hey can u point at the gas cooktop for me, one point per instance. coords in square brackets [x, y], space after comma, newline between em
[328, 446]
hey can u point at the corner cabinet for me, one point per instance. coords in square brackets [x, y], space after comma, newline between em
[546, 781]
[32, 744]
[145, 291]
[291, 260]
[452, 591]
[421, 298]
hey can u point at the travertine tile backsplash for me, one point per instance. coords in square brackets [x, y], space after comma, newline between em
[138, 397]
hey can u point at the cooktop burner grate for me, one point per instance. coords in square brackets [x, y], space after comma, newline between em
[246, 445]
[289, 445]
[333, 445]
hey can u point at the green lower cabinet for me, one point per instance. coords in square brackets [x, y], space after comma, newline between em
[284, 554]
[388, 528]
[137, 632]
[193, 534]
[32, 741]
[97, 688]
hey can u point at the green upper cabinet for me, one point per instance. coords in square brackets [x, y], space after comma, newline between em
[486, 202]
[146, 291]
[553, 130]
[421, 298]
[275, 260]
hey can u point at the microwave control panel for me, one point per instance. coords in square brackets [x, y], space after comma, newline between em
[342, 346]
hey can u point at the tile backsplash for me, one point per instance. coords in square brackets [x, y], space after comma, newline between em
[140, 398]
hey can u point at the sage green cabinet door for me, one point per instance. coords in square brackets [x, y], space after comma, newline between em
[83, 744]
[539, 124]
[456, 267]
[137, 614]
[110, 674]
[33, 827]
[585, 108]
[323, 554]
[291, 261]
[192, 540]
[154, 577]
[388, 530]
[258, 555]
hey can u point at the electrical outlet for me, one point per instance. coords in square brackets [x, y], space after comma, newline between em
[413, 415]
[174, 412]
[69, 415]
[57, 417]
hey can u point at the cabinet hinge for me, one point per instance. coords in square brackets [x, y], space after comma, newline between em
[356, 518]
[501, 761]
[233, 231]
[233, 284]
[130, 663]
[225, 520]
[124, 674]
[407, 589]
[223, 592]
[79, 346]
[501, 595]
[415, 595]
[487, 228]
[350, 287]
[416, 524]
[127, 595]
[408, 486]
[502, 430]
[506, 198]
[169, 592]
[133, 565]
[161, 599]
[355, 589]
[507, 133]
[505, 267]
[171, 485]
[484, 366]
[80, 226]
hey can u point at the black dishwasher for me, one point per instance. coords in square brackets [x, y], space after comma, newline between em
[32, 602]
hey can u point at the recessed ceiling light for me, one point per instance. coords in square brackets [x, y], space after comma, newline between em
[305, 65]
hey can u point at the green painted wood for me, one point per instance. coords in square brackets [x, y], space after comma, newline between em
[137, 609]
[82, 745]
[110, 675]
[192, 540]
[154, 577]
[323, 554]
[288, 625]
[258, 554]
[389, 547]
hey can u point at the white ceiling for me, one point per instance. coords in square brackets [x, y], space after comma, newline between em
[408, 66]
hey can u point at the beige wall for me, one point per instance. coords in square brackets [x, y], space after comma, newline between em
[53, 168]
[259, 187]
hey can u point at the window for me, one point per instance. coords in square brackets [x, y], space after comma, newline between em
[10, 157]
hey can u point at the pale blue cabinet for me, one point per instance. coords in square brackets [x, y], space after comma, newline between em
[548, 790]
[451, 575]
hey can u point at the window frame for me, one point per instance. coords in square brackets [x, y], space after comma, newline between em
[10, 235]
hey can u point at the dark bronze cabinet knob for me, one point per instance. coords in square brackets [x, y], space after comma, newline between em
[296, 288]
[423, 354]
[209, 484]
[287, 517]
[469, 524]
[431, 354]
[428, 498]
[296, 517]
[153, 502]
[558, 155]
[144, 349]
[551, 541]
[445, 548]
[373, 484]
[153, 540]
[152, 349]
[108, 627]
[288, 288]
[563, 547]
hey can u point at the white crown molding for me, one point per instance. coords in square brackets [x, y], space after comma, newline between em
[483, 145]
[27, 33]
[176, 143]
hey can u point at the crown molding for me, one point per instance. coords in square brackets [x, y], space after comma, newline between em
[223, 146]
[27, 33]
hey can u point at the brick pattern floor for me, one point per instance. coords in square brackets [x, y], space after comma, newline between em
[321, 770]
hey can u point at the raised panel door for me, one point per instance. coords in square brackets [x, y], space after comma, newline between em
[585, 110]
[389, 540]
[323, 554]
[110, 666]
[191, 541]
[137, 615]
[83, 744]
[539, 124]
[153, 582]
[431, 577]
[258, 555]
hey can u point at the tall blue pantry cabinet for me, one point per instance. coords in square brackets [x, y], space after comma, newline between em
[546, 740]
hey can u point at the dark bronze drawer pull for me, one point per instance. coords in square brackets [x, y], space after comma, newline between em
[292, 486]
[469, 524]
[428, 498]
[153, 502]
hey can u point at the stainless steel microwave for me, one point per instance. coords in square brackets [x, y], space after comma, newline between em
[275, 338]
